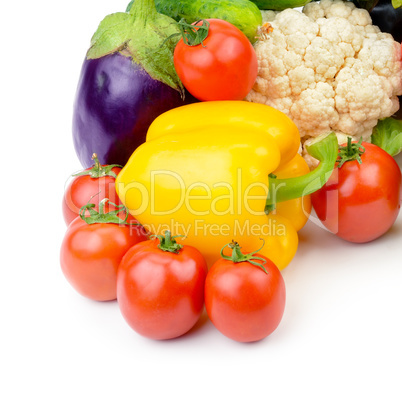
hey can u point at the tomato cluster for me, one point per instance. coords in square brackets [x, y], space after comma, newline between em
[161, 286]
[161, 292]
[100, 231]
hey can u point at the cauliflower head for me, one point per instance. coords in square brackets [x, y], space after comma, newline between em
[329, 69]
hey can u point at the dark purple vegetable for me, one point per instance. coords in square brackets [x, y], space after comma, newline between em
[116, 102]
[389, 19]
[127, 80]
[387, 16]
[398, 114]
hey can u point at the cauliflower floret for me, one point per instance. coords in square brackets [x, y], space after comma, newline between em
[361, 97]
[329, 69]
[318, 101]
[337, 8]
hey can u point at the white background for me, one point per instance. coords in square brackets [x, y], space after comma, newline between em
[340, 337]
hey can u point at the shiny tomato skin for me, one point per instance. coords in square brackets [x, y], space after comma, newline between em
[160, 293]
[243, 302]
[84, 189]
[90, 256]
[225, 68]
[360, 202]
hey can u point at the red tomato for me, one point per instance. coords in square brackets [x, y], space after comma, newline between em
[243, 302]
[161, 293]
[360, 202]
[224, 67]
[83, 189]
[91, 254]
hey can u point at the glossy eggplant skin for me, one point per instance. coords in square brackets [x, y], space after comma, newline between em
[116, 101]
[387, 18]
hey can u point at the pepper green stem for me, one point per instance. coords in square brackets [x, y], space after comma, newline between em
[237, 256]
[168, 243]
[97, 170]
[326, 151]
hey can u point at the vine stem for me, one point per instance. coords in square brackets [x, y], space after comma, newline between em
[237, 255]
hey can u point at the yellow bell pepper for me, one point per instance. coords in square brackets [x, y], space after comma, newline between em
[218, 171]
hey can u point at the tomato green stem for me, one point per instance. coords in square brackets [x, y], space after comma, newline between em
[168, 242]
[351, 152]
[97, 170]
[237, 256]
[194, 34]
[104, 217]
[326, 151]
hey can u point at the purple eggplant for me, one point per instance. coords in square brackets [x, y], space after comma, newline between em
[127, 80]
[116, 102]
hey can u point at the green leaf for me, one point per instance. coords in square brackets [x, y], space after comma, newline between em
[111, 36]
[388, 135]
